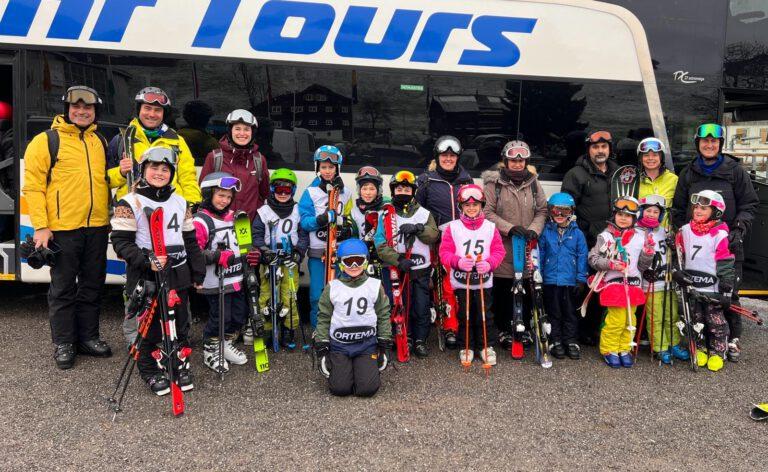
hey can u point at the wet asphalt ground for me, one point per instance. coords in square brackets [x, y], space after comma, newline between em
[429, 414]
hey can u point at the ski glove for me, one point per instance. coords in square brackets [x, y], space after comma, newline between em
[226, 258]
[517, 231]
[385, 351]
[682, 278]
[617, 265]
[253, 257]
[649, 244]
[736, 236]
[724, 287]
[324, 218]
[465, 264]
[322, 349]
[530, 235]
[405, 264]
[483, 267]
[725, 301]
[293, 261]
[409, 228]
[269, 257]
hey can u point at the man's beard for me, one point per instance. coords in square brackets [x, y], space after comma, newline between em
[600, 158]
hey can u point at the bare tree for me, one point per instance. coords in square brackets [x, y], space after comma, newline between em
[376, 109]
[251, 84]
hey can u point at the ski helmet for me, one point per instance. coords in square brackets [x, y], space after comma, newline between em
[352, 252]
[403, 177]
[327, 153]
[471, 193]
[516, 150]
[222, 180]
[654, 200]
[153, 96]
[627, 205]
[447, 143]
[710, 130]
[158, 154]
[651, 145]
[80, 93]
[283, 175]
[712, 199]
[369, 174]
[600, 136]
[561, 199]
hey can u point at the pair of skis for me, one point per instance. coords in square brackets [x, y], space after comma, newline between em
[399, 315]
[330, 238]
[443, 304]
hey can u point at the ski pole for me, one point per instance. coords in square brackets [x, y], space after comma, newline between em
[221, 318]
[465, 360]
[630, 326]
[486, 365]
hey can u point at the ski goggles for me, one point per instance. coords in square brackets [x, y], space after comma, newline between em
[561, 211]
[626, 206]
[328, 156]
[404, 177]
[702, 200]
[354, 261]
[449, 144]
[651, 145]
[599, 136]
[517, 152]
[81, 93]
[368, 171]
[153, 95]
[160, 155]
[472, 194]
[226, 183]
[710, 130]
[282, 189]
[242, 116]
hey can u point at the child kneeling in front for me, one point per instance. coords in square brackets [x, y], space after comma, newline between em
[353, 335]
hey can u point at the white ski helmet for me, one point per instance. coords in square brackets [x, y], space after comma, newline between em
[654, 200]
[712, 199]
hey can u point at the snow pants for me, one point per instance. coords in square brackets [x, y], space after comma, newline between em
[285, 294]
[615, 337]
[354, 371]
[475, 319]
[235, 314]
[716, 329]
[558, 304]
[661, 313]
[417, 301]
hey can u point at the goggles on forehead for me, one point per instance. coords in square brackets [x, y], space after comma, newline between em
[599, 136]
[697, 199]
[650, 145]
[368, 171]
[354, 261]
[80, 93]
[227, 183]
[405, 176]
[328, 156]
[448, 145]
[626, 206]
[517, 152]
[472, 194]
[242, 116]
[710, 130]
[159, 155]
[153, 95]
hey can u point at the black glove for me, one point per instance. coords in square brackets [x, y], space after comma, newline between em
[268, 256]
[322, 349]
[410, 228]
[343, 232]
[725, 301]
[578, 289]
[682, 278]
[736, 237]
[337, 182]
[517, 231]
[530, 235]
[725, 287]
[385, 352]
[324, 218]
[404, 264]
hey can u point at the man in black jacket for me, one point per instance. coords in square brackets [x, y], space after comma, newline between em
[713, 170]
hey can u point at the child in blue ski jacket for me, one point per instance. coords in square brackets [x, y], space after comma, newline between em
[563, 253]
[316, 217]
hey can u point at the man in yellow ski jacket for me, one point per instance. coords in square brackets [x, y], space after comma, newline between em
[148, 130]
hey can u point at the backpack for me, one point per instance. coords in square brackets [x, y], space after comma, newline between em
[53, 148]
[218, 160]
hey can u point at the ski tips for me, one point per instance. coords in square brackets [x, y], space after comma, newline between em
[759, 412]
[177, 399]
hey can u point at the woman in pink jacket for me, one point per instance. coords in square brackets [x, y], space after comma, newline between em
[472, 248]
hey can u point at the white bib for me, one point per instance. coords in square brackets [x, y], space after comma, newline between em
[285, 227]
[632, 248]
[223, 235]
[174, 212]
[700, 258]
[420, 253]
[660, 238]
[472, 243]
[354, 319]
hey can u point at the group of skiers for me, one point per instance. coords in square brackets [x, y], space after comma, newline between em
[494, 264]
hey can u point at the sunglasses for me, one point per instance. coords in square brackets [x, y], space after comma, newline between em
[710, 129]
[354, 261]
[405, 176]
[598, 136]
[561, 211]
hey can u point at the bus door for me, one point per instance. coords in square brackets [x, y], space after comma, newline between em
[7, 168]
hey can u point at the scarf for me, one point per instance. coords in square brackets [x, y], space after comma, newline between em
[283, 210]
[703, 227]
[161, 194]
[373, 206]
[401, 201]
[447, 175]
[517, 177]
[709, 168]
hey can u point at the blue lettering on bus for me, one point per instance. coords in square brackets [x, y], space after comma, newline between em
[436, 32]
[216, 22]
[502, 52]
[70, 19]
[114, 18]
[18, 17]
[350, 41]
[266, 33]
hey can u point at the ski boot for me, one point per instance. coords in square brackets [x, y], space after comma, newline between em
[681, 353]
[573, 351]
[488, 356]
[734, 350]
[626, 359]
[526, 338]
[232, 353]
[450, 340]
[715, 362]
[183, 373]
[420, 349]
[287, 338]
[701, 357]
[248, 336]
[64, 355]
[159, 384]
[466, 356]
[557, 350]
[211, 357]
[505, 340]
[664, 356]
[612, 359]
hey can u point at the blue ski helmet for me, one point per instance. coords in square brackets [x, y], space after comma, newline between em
[352, 247]
[328, 153]
[561, 199]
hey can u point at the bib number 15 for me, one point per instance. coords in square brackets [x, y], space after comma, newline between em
[476, 250]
